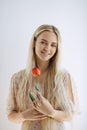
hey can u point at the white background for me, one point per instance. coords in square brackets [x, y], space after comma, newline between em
[18, 20]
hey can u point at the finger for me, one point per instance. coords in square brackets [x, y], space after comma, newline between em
[36, 87]
[34, 103]
[31, 96]
[41, 118]
[38, 101]
[39, 96]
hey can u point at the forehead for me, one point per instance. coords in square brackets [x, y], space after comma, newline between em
[47, 35]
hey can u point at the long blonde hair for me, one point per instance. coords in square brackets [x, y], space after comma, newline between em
[31, 56]
[58, 95]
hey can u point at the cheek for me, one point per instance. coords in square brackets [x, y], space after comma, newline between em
[54, 50]
[37, 49]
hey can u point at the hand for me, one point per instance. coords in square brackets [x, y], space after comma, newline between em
[32, 114]
[42, 105]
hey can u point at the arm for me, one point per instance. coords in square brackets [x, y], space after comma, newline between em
[19, 117]
[62, 115]
[41, 104]
[12, 110]
[15, 117]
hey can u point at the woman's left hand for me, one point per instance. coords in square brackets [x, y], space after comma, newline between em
[42, 105]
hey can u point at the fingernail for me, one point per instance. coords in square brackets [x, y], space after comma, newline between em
[31, 96]
[36, 87]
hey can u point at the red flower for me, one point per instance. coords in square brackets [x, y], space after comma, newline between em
[35, 72]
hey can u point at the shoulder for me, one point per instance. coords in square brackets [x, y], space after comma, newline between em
[63, 73]
[18, 76]
[62, 76]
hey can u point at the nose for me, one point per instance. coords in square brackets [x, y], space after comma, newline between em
[47, 47]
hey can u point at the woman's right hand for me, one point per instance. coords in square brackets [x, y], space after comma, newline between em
[32, 114]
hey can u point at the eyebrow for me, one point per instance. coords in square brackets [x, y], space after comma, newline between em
[47, 41]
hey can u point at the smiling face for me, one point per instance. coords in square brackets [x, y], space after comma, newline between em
[46, 45]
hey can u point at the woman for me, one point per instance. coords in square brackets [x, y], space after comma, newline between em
[54, 103]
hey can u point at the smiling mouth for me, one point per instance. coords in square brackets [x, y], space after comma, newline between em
[45, 53]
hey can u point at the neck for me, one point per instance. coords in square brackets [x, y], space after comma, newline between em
[42, 65]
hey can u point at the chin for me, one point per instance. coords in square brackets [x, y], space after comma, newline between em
[44, 59]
